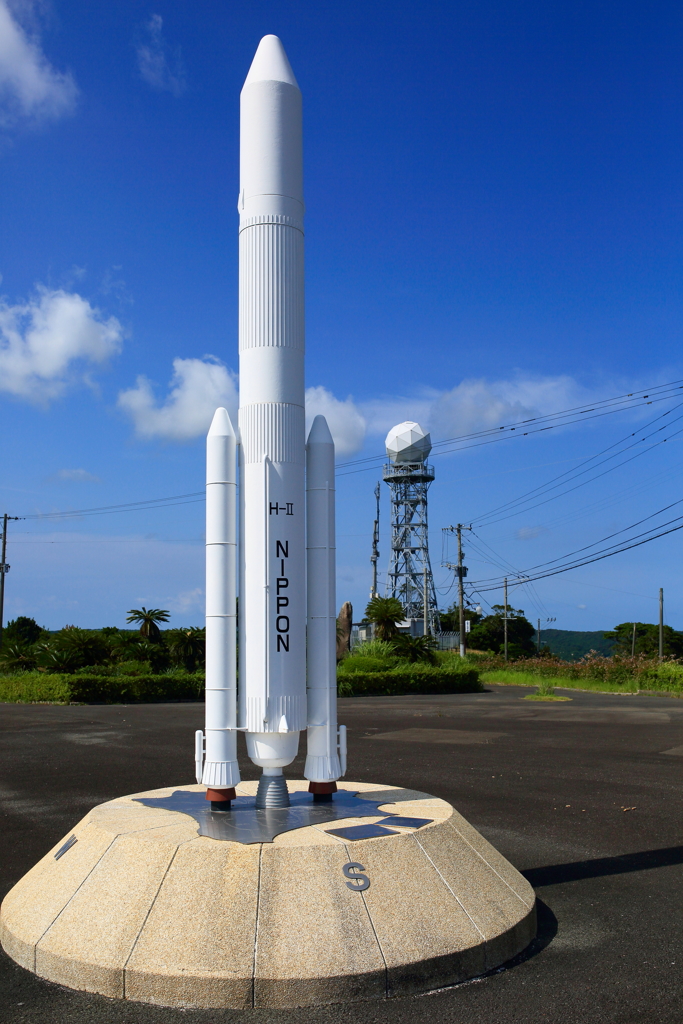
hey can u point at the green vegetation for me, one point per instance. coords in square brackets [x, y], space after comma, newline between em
[489, 633]
[385, 613]
[610, 675]
[102, 665]
[84, 688]
[646, 639]
[382, 668]
[571, 645]
[545, 691]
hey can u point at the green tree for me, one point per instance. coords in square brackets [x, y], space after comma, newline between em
[148, 618]
[22, 629]
[450, 619]
[188, 647]
[489, 633]
[647, 639]
[385, 612]
[414, 648]
[17, 657]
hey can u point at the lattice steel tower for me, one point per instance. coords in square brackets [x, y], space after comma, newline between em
[410, 573]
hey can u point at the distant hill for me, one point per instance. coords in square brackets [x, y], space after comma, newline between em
[571, 645]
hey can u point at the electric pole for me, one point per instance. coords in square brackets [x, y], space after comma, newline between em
[4, 569]
[460, 571]
[505, 617]
[661, 623]
[633, 642]
[538, 631]
[375, 548]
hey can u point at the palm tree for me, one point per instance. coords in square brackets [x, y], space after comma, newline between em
[385, 612]
[188, 646]
[148, 618]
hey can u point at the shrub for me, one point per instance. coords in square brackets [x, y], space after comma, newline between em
[414, 648]
[97, 688]
[406, 679]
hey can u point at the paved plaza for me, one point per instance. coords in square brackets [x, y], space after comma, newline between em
[584, 797]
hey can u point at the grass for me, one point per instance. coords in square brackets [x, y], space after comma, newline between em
[510, 677]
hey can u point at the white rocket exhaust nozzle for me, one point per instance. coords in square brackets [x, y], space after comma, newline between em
[220, 768]
[322, 761]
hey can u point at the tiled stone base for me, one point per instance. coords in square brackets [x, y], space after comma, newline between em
[143, 908]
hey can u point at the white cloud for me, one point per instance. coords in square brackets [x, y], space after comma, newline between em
[346, 423]
[44, 339]
[530, 532]
[30, 88]
[188, 602]
[76, 476]
[163, 71]
[198, 387]
[474, 404]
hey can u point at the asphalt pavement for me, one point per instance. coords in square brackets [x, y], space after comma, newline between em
[583, 796]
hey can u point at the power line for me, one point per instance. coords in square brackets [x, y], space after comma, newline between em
[130, 506]
[513, 507]
[527, 578]
[661, 392]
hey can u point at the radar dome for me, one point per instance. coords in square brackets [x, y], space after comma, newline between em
[408, 442]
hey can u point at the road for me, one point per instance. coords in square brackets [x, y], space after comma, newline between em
[583, 796]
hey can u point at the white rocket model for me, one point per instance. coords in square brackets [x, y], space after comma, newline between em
[281, 516]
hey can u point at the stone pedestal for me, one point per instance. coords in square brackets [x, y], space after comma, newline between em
[141, 907]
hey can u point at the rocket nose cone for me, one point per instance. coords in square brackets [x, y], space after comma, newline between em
[221, 425]
[270, 64]
[320, 432]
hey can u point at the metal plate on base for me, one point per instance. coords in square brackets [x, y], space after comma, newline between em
[244, 823]
[399, 821]
[354, 832]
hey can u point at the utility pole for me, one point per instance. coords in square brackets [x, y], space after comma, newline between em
[462, 571]
[4, 569]
[661, 623]
[375, 546]
[633, 642]
[505, 617]
[538, 634]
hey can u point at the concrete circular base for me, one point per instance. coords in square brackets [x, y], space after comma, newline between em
[140, 907]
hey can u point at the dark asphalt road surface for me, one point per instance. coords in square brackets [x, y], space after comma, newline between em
[584, 797]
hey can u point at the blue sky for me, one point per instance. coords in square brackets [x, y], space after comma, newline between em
[493, 232]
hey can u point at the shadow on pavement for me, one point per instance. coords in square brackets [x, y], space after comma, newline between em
[556, 874]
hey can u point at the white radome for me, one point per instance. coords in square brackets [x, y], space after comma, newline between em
[408, 442]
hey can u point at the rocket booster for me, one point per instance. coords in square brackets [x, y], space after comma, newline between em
[220, 771]
[272, 705]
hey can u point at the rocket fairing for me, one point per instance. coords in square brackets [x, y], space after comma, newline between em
[287, 679]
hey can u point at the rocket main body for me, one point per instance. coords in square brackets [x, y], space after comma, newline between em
[272, 705]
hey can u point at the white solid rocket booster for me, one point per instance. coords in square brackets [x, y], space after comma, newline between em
[322, 761]
[272, 702]
[286, 536]
[220, 771]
